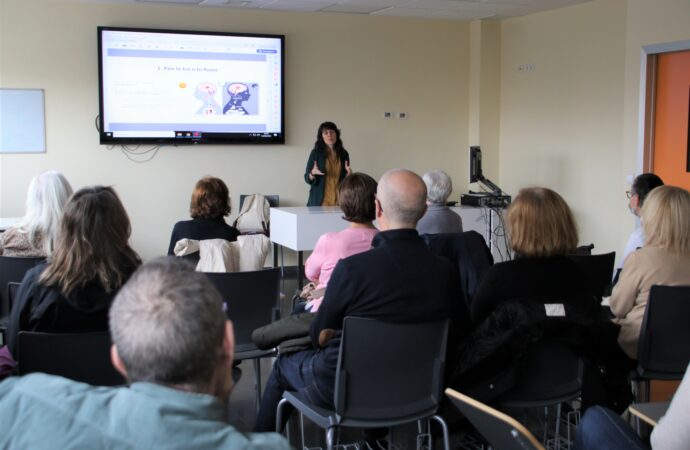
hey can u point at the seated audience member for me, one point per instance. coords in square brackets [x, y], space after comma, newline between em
[35, 233]
[438, 217]
[356, 194]
[208, 208]
[603, 429]
[664, 259]
[92, 258]
[641, 187]
[398, 280]
[172, 342]
[542, 231]
[540, 294]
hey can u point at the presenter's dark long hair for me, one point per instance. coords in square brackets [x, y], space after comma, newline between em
[321, 146]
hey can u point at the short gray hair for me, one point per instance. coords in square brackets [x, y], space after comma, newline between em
[46, 198]
[167, 323]
[438, 186]
[402, 195]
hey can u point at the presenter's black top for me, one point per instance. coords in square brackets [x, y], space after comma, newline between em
[200, 229]
[548, 280]
[318, 184]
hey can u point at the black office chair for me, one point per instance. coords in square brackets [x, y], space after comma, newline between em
[500, 430]
[13, 269]
[662, 350]
[551, 374]
[81, 357]
[12, 289]
[598, 270]
[273, 201]
[251, 301]
[388, 374]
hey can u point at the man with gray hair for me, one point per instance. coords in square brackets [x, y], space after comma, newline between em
[398, 280]
[438, 218]
[172, 342]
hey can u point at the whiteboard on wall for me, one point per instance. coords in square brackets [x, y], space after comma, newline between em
[22, 121]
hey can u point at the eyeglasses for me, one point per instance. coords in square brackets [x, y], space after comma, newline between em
[630, 194]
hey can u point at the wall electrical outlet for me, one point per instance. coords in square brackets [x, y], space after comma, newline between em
[387, 115]
[403, 115]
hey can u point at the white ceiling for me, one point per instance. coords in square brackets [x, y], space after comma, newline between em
[430, 9]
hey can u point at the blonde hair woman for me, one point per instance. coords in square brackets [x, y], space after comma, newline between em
[542, 231]
[664, 259]
[35, 233]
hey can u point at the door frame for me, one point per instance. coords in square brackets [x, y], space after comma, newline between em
[648, 66]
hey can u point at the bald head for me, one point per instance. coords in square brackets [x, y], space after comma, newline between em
[402, 198]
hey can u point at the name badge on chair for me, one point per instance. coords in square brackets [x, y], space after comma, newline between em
[554, 309]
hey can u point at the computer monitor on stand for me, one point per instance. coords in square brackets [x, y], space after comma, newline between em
[495, 197]
[476, 173]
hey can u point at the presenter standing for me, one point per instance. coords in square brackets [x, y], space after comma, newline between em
[328, 164]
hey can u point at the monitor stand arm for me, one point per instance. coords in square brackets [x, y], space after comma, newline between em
[488, 183]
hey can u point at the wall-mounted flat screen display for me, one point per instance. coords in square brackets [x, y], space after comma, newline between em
[189, 87]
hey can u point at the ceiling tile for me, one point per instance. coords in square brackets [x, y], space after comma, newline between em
[295, 5]
[354, 8]
[186, 2]
[441, 9]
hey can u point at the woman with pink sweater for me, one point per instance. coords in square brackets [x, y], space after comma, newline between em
[356, 198]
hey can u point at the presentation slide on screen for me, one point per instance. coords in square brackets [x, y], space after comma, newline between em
[200, 83]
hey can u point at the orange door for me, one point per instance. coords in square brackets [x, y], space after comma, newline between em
[671, 145]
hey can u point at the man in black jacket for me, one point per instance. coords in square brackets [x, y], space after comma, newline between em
[398, 280]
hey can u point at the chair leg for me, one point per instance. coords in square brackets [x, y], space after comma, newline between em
[444, 428]
[330, 433]
[301, 427]
[257, 382]
[558, 427]
[422, 434]
[279, 416]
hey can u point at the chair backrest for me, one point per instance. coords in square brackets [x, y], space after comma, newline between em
[469, 254]
[598, 271]
[272, 199]
[12, 289]
[500, 430]
[254, 214]
[78, 356]
[250, 300]
[549, 373]
[665, 327]
[389, 372]
[13, 269]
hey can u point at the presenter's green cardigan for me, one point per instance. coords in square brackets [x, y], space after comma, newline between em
[319, 183]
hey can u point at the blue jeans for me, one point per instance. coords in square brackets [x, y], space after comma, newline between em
[603, 429]
[310, 372]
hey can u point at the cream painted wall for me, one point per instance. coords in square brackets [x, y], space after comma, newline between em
[349, 69]
[485, 93]
[561, 124]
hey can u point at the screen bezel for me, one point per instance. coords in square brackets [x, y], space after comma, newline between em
[475, 164]
[213, 139]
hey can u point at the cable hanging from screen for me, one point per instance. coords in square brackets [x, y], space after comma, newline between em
[133, 152]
